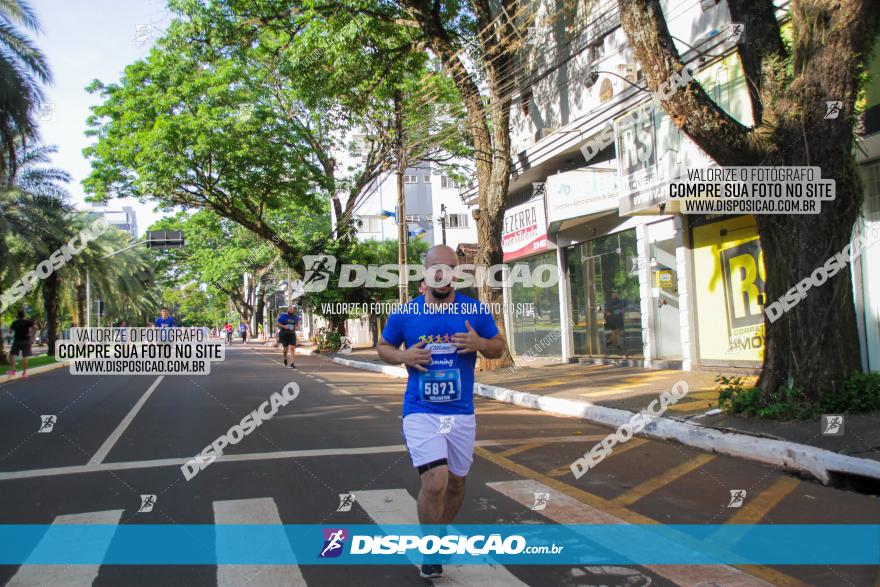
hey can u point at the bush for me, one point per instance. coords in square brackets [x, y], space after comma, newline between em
[328, 340]
[860, 393]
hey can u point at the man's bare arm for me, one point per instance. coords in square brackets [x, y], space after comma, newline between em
[493, 348]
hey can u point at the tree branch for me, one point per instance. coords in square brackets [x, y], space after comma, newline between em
[691, 109]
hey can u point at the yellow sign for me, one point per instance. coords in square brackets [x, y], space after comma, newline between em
[729, 278]
[664, 279]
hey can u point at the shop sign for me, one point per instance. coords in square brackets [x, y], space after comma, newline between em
[525, 230]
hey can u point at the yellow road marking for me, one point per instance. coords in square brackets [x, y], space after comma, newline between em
[754, 510]
[620, 448]
[662, 480]
[521, 448]
[771, 575]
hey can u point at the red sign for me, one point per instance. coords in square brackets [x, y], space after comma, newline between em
[525, 230]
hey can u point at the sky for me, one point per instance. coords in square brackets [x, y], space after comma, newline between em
[85, 40]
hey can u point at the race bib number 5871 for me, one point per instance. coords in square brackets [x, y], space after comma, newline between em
[440, 386]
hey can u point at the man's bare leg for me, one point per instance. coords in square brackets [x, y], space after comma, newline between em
[432, 495]
[454, 497]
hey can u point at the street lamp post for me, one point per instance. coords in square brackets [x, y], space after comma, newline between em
[443, 222]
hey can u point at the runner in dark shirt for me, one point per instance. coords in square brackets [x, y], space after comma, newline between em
[21, 342]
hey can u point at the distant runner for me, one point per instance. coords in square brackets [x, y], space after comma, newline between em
[287, 324]
[440, 354]
[243, 330]
[166, 320]
[22, 330]
[228, 329]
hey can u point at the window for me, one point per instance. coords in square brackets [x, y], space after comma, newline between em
[371, 224]
[426, 178]
[410, 179]
[413, 218]
[447, 182]
[457, 221]
[429, 218]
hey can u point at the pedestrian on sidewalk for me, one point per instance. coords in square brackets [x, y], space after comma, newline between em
[243, 330]
[442, 331]
[22, 335]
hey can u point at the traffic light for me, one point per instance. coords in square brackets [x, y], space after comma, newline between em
[165, 239]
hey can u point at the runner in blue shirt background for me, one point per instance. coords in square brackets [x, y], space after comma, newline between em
[166, 320]
[442, 331]
[287, 323]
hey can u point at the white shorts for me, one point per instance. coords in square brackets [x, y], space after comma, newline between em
[431, 437]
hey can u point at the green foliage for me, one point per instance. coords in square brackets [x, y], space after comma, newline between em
[328, 340]
[861, 393]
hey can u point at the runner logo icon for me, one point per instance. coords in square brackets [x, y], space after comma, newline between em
[333, 542]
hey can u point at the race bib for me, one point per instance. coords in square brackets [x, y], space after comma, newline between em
[439, 386]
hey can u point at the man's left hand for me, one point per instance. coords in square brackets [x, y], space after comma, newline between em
[470, 341]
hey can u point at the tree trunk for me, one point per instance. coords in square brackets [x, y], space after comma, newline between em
[814, 345]
[51, 287]
[81, 304]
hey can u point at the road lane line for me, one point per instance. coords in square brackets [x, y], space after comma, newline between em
[773, 576]
[254, 511]
[263, 456]
[396, 506]
[754, 510]
[518, 449]
[114, 437]
[662, 480]
[50, 544]
[564, 509]
[619, 449]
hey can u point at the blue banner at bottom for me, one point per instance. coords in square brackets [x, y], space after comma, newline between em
[180, 544]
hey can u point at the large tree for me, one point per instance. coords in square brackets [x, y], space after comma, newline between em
[815, 344]
[476, 42]
[242, 111]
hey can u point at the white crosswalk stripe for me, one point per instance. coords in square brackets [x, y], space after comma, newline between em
[397, 506]
[29, 575]
[564, 509]
[253, 511]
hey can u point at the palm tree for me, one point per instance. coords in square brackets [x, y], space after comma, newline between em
[41, 211]
[22, 69]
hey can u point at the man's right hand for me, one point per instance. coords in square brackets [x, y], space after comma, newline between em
[417, 356]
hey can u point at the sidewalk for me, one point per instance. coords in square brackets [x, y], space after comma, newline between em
[542, 382]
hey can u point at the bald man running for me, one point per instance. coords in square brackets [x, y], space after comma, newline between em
[442, 331]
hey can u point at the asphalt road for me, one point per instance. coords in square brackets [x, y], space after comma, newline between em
[116, 438]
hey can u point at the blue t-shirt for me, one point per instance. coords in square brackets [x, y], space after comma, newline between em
[242, 327]
[165, 322]
[288, 320]
[448, 387]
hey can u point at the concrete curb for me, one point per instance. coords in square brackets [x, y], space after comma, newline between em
[35, 371]
[819, 463]
[391, 370]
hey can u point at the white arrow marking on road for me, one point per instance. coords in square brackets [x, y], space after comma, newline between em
[397, 506]
[564, 509]
[117, 434]
[67, 575]
[254, 511]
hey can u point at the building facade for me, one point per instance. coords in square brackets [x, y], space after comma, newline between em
[639, 283]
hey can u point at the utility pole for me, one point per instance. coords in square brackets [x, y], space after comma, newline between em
[443, 221]
[402, 225]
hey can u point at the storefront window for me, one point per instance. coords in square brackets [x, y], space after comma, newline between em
[536, 333]
[605, 296]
